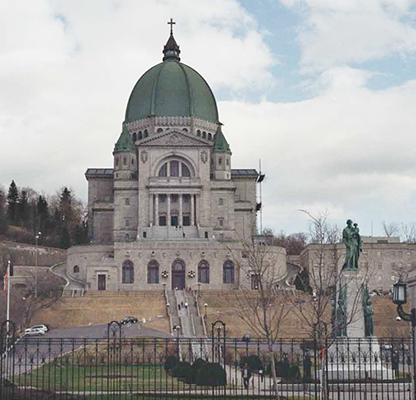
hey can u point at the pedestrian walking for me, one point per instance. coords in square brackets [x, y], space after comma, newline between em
[246, 374]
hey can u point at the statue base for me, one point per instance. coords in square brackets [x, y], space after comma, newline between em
[352, 360]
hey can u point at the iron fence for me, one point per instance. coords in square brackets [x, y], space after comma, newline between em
[115, 367]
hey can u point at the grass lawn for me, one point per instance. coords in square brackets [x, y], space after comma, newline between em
[102, 378]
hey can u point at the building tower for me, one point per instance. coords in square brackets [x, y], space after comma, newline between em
[125, 188]
[221, 157]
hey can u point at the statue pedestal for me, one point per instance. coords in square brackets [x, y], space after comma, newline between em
[352, 282]
[354, 357]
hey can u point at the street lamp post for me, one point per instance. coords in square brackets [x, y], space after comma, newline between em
[205, 306]
[399, 297]
[36, 255]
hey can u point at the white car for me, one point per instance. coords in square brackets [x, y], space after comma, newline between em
[43, 327]
[34, 332]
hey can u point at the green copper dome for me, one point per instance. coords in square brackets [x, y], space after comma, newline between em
[172, 89]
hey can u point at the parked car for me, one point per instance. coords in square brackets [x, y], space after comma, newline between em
[129, 320]
[42, 326]
[34, 332]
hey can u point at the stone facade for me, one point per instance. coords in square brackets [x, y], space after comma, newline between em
[382, 260]
[171, 211]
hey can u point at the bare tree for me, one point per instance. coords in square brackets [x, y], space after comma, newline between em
[260, 304]
[40, 290]
[390, 229]
[408, 232]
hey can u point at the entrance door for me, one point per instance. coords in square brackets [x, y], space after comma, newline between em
[101, 282]
[178, 274]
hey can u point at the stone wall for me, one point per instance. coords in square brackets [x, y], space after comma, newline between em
[29, 254]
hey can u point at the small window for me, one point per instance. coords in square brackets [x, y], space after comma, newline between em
[174, 168]
[144, 235]
[140, 135]
[164, 170]
[228, 161]
[220, 221]
[198, 133]
[116, 161]
[221, 201]
[380, 265]
[128, 272]
[228, 272]
[206, 235]
[132, 161]
[186, 198]
[185, 171]
[204, 135]
[162, 198]
[159, 130]
[127, 201]
[209, 136]
[219, 160]
[125, 160]
[126, 222]
[76, 269]
[153, 272]
[162, 220]
[255, 282]
[146, 134]
[203, 272]
[185, 130]
[174, 198]
[221, 236]
[134, 137]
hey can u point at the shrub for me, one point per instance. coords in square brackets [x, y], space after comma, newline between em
[170, 362]
[199, 363]
[182, 370]
[253, 362]
[212, 374]
[294, 371]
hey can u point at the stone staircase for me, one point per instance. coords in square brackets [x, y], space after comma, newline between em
[189, 320]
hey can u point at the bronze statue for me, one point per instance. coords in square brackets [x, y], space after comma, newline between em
[352, 239]
[368, 313]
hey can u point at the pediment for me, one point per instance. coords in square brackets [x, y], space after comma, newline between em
[174, 138]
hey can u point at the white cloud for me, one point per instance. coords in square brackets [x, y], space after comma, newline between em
[67, 69]
[347, 149]
[353, 31]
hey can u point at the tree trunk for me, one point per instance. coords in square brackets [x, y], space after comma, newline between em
[274, 377]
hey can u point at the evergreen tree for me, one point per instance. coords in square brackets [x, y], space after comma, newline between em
[12, 204]
[42, 215]
[3, 217]
[23, 209]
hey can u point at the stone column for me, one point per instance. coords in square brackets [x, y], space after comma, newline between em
[156, 209]
[151, 210]
[192, 210]
[168, 213]
[180, 222]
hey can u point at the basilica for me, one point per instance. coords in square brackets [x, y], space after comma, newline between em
[172, 212]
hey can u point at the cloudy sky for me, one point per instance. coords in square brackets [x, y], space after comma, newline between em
[323, 91]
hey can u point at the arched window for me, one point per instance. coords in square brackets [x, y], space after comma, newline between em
[174, 168]
[140, 135]
[228, 272]
[128, 272]
[76, 269]
[209, 136]
[185, 130]
[146, 134]
[198, 133]
[203, 272]
[159, 130]
[204, 135]
[185, 171]
[134, 137]
[153, 272]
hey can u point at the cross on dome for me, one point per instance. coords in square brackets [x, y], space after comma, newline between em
[171, 23]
